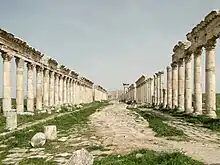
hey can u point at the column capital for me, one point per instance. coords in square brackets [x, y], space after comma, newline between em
[19, 62]
[210, 45]
[30, 65]
[57, 75]
[188, 57]
[39, 68]
[168, 68]
[174, 65]
[180, 61]
[6, 56]
[51, 73]
[198, 51]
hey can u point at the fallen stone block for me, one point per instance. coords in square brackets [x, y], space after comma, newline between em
[81, 157]
[50, 132]
[11, 120]
[38, 140]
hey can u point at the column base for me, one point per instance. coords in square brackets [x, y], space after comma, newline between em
[211, 114]
[180, 109]
[189, 111]
[195, 114]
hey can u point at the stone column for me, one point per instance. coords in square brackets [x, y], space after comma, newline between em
[158, 88]
[46, 88]
[181, 85]
[61, 90]
[150, 83]
[155, 90]
[161, 86]
[19, 85]
[188, 84]
[64, 90]
[74, 92]
[39, 77]
[174, 85]
[135, 92]
[51, 73]
[210, 87]
[169, 87]
[197, 102]
[164, 98]
[67, 90]
[30, 87]
[6, 82]
[56, 91]
[146, 92]
[71, 91]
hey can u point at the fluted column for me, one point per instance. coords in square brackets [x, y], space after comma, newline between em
[158, 89]
[46, 88]
[210, 87]
[61, 90]
[161, 86]
[68, 90]
[155, 90]
[174, 85]
[164, 98]
[146, 91]
[181, 85]
[51, 73]
[56, 91]
[39, 77]
[30, 87]
[19, 85]
[150, 90]
[64, 90]
[169, 87]
[71, 91]
[135, 92]
[188, 84]
[6, 82]
[198, 82]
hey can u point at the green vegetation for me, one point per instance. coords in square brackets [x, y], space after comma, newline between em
[36, 161]
[204, 121]
[156, 122]
[64, 123]
[100, 148]
[148, 157]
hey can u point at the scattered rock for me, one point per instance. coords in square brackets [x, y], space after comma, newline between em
[27, 113]
[138, 155]
[38, 140]
[81, 157]
[50, 132]
[63, 139]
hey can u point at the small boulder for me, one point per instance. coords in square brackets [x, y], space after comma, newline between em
[38, 140]
[138, 155]
[81, 157]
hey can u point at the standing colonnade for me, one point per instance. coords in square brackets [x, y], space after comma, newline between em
[178, 93]
[52, 86]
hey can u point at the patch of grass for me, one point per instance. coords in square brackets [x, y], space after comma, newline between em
[204, 121]
[2, 123]
[156, 122]
[36, 161]
[148, 157]
[22, 138]
[101, 148]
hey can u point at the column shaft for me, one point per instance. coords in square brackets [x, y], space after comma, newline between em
[169, 87]
[181, 85]
[39, 77]
[161, 87]
[6, 82]
[61, 90]
[64, 90]
[210, 87]
[188, 85]
[30, 87]
[46, 88]
[51, 103]
[19, 85]
[56, 91]
[197, 103]
[174, 85]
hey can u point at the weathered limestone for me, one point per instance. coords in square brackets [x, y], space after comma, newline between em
[197, 82]
[50, 132]
[39, 78]
[51, 87]
[174, 85]
[30, 87]
[164, 98]
[64, 90]
[38, 140]
[56, 91]
[46, 88]
[19, 85]
[188, 84]
[210, 87]
[61, 90]
[169, 87]
[155, 91]
[161, 86]
[6, 82]
[181, 85]
[158, 88]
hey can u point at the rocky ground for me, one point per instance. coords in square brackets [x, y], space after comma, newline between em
[117, 130]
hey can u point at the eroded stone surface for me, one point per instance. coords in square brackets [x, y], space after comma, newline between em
[38, 140]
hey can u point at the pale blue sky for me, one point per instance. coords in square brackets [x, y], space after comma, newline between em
[107, 41]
